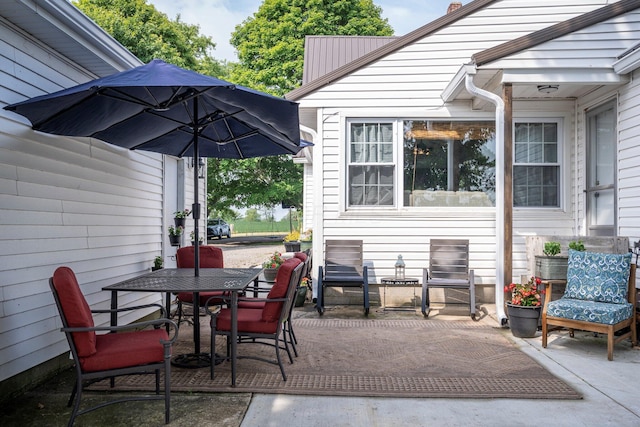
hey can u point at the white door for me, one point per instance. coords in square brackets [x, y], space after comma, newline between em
[601, 167]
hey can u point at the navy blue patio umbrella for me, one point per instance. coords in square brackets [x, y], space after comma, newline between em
[163, 108]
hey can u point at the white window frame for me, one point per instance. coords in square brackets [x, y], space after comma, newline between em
[347, 163]
[560, 161]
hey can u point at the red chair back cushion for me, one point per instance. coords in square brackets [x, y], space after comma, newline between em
[271, 310]
[301, 256]
[210, 257]
[75, 310]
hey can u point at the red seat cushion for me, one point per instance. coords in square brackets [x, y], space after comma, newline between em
[204, 296]
[249, 320]
[76, 310]
[271, 310]
[126, 349]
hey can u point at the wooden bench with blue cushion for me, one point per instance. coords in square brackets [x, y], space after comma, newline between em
[600, 296]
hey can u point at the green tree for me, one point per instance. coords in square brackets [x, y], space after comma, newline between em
[263, 181]
[252, 215]
[150, 34]
[270, 43]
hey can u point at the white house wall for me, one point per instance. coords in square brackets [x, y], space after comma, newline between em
[77, 202]
[408, 84]
[629, 160]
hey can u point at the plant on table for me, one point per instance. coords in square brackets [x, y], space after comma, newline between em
[526, 295]
[274, 261]
[551, 248]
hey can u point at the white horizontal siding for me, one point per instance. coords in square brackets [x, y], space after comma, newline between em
[77, 202]
[429, 64]
[628, 160]
[408, 84]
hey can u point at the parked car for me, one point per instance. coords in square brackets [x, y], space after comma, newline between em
[217, 228]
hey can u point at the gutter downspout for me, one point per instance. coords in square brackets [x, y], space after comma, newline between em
[499, 103]
[316, 243]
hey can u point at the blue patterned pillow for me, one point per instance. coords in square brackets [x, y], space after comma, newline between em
[598, 277]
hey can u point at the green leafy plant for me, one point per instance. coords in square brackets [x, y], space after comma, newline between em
[528, 294]
[551, 248]
[294, 236]
[307, 236]
[175, 231]
[577, 245]
[158, 262]
[182, 214]
[274, 261]
[193, 237]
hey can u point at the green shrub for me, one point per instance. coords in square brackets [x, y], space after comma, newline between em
[551, 248]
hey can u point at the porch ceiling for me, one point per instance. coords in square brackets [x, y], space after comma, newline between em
[571, 83]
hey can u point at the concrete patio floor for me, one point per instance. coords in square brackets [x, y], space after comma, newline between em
[610, 391]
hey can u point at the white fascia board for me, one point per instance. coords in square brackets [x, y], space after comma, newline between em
[558, 76]
[455, 86]
[627, 64]
[71, 21]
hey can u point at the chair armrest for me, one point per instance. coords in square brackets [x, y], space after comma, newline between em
[137, 325]
[548, 291]
[163, 310]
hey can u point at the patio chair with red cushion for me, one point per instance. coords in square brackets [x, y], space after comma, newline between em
[99, 356]
[210, 257]
[264, 325]
[259, 305]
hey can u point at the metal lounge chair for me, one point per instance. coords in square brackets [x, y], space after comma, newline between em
[343, 267]
[448, 269]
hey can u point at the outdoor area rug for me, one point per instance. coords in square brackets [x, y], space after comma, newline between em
[368, 357]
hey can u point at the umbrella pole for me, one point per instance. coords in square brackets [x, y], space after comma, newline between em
[196, 203]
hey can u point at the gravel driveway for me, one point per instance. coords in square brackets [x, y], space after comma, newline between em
[248, 256]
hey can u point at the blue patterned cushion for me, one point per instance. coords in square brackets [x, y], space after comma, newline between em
[589, 311]
[598, 277]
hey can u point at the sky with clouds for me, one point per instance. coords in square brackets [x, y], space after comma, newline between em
[218, 18]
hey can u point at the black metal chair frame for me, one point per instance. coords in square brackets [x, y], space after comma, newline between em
[87, 378]
[245, 337]
[448, 269]
[343, 267]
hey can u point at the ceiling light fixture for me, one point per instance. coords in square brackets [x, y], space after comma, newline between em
[547, 88]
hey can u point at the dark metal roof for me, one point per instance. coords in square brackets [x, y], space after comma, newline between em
[387, 49]
[323, 54]
[554, 31]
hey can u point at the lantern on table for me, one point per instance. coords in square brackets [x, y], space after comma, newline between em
[400, 268]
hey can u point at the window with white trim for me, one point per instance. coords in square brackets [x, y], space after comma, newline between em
[536, 166]
[370, 164]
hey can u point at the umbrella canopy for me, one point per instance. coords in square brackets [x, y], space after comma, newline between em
[163, 108]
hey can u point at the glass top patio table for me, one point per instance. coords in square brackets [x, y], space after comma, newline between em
[174, 280]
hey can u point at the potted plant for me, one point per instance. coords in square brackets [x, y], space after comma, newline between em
[551, 265]
[292, 242]
[193, 239]
[271, 266]
[301, 293]
[306, 240]
[157, 263]
[179, 217]
[577, 245]
[525, 307]
[174, 235]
